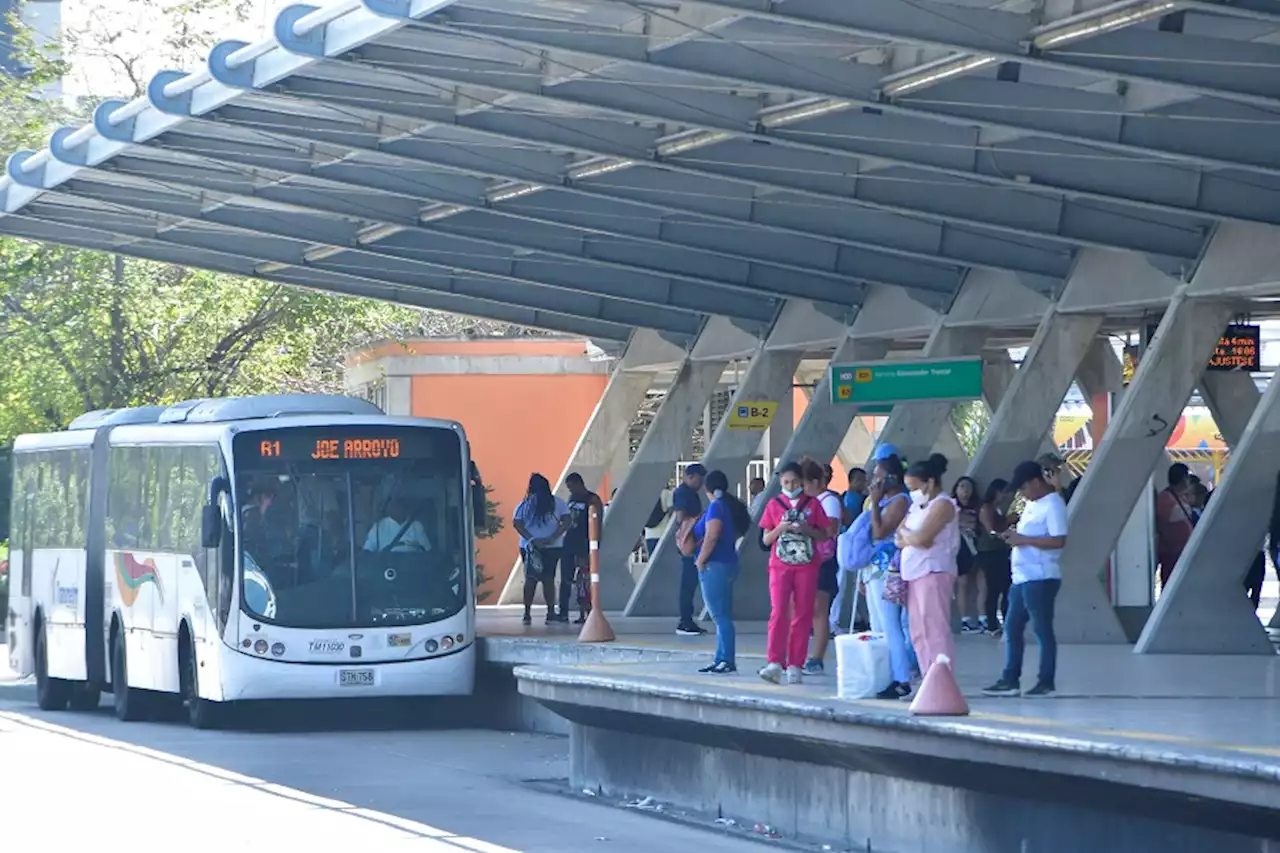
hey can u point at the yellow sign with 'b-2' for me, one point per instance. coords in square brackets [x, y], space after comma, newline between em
[751, 414]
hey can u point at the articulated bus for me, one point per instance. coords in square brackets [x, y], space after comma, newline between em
[283, 547]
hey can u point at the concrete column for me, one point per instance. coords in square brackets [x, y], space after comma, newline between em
[1122, 465]
[1204, 610]
[665, 442]
[1017, 428]
[769, 377]
[607, 429]
[400, 396]
[822, 427]
[915, 427]
[1232, 399]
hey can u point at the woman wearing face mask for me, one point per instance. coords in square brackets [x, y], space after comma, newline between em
[888, 508]
[930, 539]
[793, 524]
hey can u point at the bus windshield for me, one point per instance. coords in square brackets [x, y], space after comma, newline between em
[351, 526]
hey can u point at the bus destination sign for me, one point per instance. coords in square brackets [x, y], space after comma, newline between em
[1239, 348]
[336, 448]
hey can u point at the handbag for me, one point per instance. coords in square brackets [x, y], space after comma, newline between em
[532, 558]
[895, 588]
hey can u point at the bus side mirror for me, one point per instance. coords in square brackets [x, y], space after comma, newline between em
[211, 515]
[479, 503]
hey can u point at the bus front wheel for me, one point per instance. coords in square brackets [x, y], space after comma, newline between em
[52, 694]
[130, 703]
[201, 713]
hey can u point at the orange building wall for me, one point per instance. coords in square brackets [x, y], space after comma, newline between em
[516, 425]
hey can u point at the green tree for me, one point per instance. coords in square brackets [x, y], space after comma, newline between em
[970, 421]
[493, 522]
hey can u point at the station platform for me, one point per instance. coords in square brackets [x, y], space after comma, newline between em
[1160, 753]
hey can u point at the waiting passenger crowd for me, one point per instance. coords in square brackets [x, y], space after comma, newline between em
[896, 539]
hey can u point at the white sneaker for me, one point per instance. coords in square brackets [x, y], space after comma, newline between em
[772, 673]
[794, 675]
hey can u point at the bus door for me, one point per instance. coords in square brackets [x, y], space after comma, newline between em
[18, 619]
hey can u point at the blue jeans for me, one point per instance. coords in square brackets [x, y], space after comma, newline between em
[717, 591]
[892, 620]
[688, 586]
[1032, 601]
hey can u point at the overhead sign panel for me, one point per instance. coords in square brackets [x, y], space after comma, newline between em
[888, 382]
[752, 414]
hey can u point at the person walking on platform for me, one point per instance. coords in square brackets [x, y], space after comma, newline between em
[1037, 549]
[712, 542]
[930, 539]
[793, 524]
[686, 505]
[577, 541]
[541, 519]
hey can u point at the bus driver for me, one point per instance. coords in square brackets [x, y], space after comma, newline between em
[383, 535]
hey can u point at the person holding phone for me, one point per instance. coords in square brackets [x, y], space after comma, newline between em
[1037, 545]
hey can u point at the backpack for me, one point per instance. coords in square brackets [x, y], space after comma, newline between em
[794, 549]
[656, 515]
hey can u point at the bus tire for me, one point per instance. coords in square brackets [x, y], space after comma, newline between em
[130, 703]
[201, 713]
[52, 694]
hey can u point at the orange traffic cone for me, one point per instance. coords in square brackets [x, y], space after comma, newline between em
[939, 695]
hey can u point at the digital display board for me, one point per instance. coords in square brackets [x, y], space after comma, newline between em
[1239, 348]
[357, 444]
[338, 448]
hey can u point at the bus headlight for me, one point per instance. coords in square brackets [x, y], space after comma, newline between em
[277, 649]
[432, 647]
[446, 643]
[260, 647]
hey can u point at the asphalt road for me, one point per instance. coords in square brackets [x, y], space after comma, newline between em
[308, 778]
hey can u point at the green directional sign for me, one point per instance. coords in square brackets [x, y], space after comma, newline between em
[888, 382]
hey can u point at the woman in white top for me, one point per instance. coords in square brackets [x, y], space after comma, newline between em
[930, 539]
[541, 519]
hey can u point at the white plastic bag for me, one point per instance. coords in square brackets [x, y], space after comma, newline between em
[862, 665]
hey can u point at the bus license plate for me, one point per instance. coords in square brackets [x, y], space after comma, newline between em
[355, 678]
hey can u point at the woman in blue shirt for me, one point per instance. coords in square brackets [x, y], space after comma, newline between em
[713, 542]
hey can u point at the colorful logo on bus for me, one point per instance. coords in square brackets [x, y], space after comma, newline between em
[132, 574]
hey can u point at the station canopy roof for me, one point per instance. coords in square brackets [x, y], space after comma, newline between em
[593, 166]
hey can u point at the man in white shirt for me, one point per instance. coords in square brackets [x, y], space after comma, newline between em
[1037, 576]
[384, 532]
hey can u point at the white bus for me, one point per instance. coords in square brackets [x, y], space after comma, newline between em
[288, 547]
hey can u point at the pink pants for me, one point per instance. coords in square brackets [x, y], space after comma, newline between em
[790, 622]
[929, 615]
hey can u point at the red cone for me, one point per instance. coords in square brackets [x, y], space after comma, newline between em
[939, 695]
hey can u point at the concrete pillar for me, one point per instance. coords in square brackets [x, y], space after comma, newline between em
[769, 377]
[1122, 465]
[915, 427]
[399, 396]
[1017, 428]
[1232, 398]
[1204, 610]
[668, 438]
[606, 432]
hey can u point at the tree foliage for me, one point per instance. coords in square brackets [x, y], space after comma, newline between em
[970, 421]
